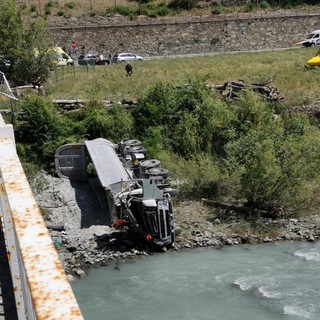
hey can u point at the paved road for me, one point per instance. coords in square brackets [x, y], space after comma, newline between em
[191, 55]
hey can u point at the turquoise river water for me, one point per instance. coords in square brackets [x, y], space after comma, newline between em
[263, 282]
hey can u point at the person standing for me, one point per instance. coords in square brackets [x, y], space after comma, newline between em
[101, 59]
[128, 69]
[73, 46]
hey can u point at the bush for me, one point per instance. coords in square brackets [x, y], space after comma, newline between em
[147, 8]
[49, 4]
[264, 5]
[183, 4]
[217, 9]
[37, 127]
[152, 10]
[277, 165]
[33, 8]
[47, 11]
[123, 10]
[196, 116]
[241, 151]
[249, 6]
[70, 5]
[114, 124]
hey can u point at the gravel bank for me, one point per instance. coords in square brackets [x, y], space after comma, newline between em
[79, 230]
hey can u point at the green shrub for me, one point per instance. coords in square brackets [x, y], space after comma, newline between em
[123, 10]
[33, 8]
[38, 126]
[154, 143]
[217, 9]
[60, 13]
[239, 151]
[196, 116]
[114, 124]
[249, 6]
[47, 11]
[183, 4]
[33, 14]
[277, 163]
[264, 4]
[22, 7]
[153, 10]
[70, 5]
[49, 4]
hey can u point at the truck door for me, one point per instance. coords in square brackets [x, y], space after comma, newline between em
[70, 161]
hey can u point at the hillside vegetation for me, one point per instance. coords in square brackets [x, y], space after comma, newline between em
[293, 80]
[246, 151]
[249, 151]
[153, 8]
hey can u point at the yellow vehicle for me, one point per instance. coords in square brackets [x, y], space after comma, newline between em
[314, 61]
[61, 57]
[58, 56]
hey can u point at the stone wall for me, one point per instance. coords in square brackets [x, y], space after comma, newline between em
[190, 35]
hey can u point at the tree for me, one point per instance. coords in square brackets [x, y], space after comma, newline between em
[26, 47]
[39, 128]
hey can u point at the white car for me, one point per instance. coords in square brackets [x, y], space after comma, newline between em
[125, 57]
[313, 39]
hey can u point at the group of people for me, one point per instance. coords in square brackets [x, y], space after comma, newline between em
[100, 58]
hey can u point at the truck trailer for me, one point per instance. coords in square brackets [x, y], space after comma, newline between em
[137, 190]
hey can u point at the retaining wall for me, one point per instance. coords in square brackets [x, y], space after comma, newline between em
[187, 35]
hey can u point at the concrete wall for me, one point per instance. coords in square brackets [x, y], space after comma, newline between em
[188, 35]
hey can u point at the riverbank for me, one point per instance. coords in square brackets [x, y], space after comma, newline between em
[80, 233]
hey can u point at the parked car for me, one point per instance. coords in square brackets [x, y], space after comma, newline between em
[125, 57]
[313, 39]
[91, 59]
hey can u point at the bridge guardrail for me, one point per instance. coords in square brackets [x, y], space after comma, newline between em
[41, 288]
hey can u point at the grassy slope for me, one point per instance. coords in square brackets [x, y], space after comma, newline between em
[297, 84]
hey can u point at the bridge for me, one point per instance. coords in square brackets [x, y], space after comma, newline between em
[33, 284]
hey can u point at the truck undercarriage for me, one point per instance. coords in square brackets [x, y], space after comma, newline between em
[137, 190]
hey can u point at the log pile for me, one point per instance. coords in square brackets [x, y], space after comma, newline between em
[232, 90]
[312, 110]
[69, 105]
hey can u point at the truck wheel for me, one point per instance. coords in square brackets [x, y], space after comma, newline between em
[312, 44]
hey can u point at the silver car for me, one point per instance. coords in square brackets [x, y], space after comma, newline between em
[125, 57]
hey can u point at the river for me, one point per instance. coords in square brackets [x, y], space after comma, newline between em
[256, 282]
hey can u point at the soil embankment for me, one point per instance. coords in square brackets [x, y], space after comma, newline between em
[79, 229]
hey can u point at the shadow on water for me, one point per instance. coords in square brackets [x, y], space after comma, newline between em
[94, 211]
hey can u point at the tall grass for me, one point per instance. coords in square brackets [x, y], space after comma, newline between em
[298, 84]
[78, 8]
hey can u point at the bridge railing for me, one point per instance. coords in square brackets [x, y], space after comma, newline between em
[41, 288]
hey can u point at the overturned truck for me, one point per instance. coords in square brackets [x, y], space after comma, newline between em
[136, 190]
